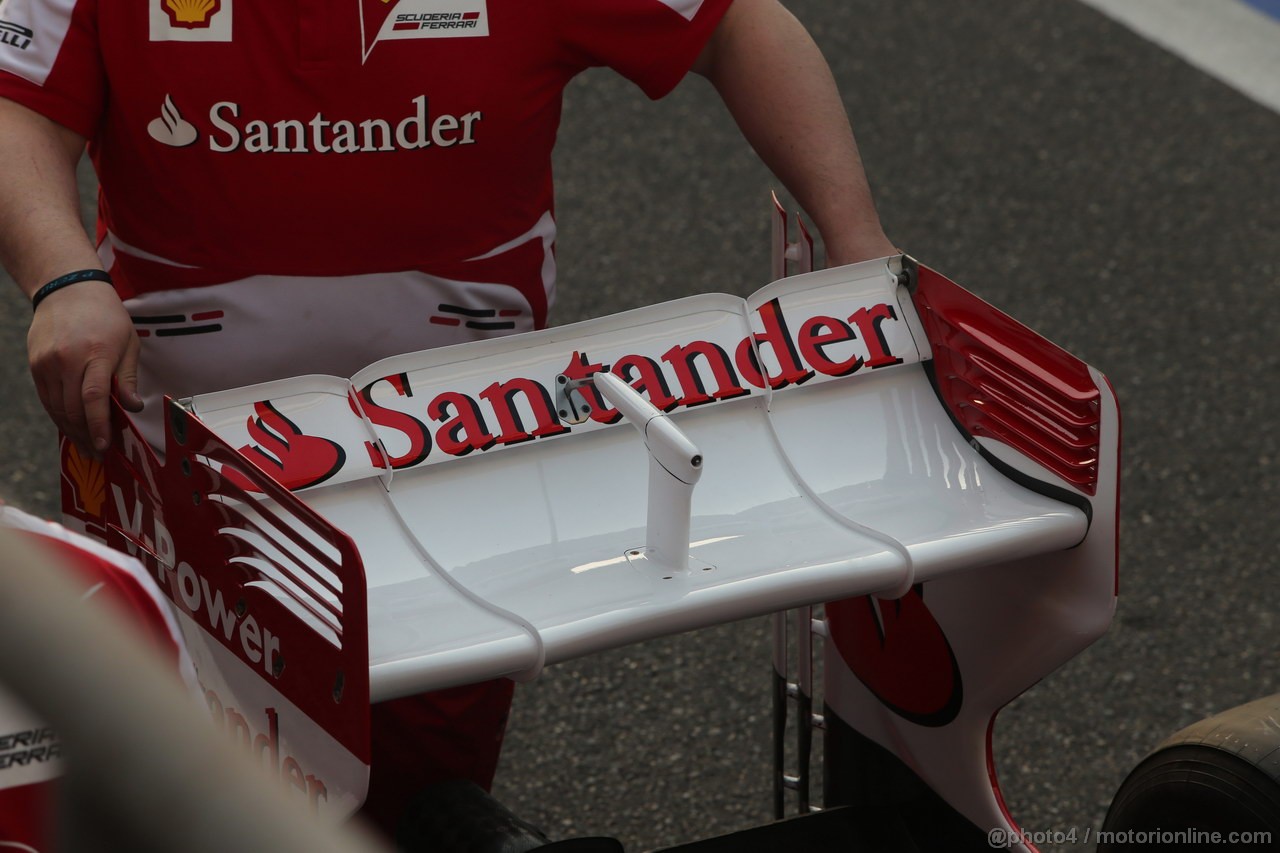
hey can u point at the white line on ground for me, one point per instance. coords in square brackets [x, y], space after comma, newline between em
[1228, 39]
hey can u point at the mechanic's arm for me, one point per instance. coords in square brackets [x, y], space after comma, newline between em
[81, 336]
[779, 89]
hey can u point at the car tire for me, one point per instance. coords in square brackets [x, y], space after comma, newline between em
[1220, 775]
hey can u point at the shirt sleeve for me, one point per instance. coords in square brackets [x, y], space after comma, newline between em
[51, 61]
[111, 580]
[653, 43]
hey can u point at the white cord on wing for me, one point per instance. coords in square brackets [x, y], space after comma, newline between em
[540, 654]
[540, 650]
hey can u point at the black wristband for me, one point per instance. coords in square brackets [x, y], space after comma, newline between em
[67, 280]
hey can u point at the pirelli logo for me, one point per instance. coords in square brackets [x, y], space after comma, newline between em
[15, 35]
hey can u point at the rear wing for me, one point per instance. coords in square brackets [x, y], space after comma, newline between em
[509, 503]
[482, 510]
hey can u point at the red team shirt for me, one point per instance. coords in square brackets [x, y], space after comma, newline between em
[306, 186]
[29, 750]
[385, 161]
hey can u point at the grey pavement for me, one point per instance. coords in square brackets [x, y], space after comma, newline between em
[1118, 201]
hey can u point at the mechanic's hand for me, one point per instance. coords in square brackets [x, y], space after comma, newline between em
[80, 338]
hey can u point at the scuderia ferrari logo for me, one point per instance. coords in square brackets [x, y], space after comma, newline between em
[396, 20]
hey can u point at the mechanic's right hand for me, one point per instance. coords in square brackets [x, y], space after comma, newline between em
[80, 338]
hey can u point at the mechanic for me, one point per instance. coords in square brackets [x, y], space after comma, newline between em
[308, 187]
[30, 752]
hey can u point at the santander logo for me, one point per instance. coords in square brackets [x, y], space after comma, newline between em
[171, 128]
[419, 126]
[421, 422]
[294, 460]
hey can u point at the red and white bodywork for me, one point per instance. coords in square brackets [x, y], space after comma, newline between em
[870, 435]
[924, 675]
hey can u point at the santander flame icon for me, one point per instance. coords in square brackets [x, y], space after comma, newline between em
[171, 128]
[293, 459]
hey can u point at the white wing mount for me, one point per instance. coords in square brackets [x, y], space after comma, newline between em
[675, 466]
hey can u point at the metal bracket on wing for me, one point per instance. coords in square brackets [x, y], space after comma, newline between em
[675, 464]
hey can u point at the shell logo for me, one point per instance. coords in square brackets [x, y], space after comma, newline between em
[191, 14]
[87, 478]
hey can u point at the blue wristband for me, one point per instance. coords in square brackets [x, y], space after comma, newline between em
[67, 280]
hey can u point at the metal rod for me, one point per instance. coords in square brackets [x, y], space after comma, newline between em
[779, 714]
[804, 703]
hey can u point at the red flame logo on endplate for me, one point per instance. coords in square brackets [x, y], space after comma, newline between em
[900, 653]
[293, 459]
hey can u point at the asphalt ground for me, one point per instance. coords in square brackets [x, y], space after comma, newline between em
[1108, 195]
